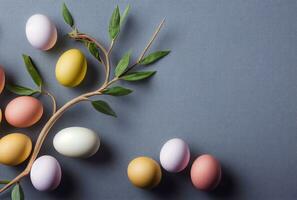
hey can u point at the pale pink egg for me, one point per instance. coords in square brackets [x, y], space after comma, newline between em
[2, 79]
[23, 111]
[206, 172]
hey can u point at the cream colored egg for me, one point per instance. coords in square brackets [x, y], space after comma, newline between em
[76, 142]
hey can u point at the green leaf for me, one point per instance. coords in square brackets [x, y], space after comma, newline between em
[67, 15]
[122, 64]
[103, 107]
[125, 14]
[153, 57]
[4, 182]
[17, 192]
[32, 70]
[136, 76]
[20, 90]
[94, 50]
[114, 23]
[117, 91]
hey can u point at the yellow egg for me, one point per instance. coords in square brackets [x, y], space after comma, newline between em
[144, 172]
[15, 148]
[71, 68]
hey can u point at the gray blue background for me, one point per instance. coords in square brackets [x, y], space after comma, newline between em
[229, 88]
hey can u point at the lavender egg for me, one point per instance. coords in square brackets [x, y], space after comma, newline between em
[46, 173]
[175, 155]
[41, 32]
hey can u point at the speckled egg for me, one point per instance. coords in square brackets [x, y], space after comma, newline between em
[15, 148]
[175, 155]
[41, 32]
[78, 142]
[2, 79]
[144, 172]
[46, 173]
[206, 172]
[71, 68]
[23, 111]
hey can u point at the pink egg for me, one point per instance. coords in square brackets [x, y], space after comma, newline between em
[2, 79]
[46, 173]
[23, 111]
[206, 172]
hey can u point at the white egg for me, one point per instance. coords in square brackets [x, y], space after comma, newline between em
[175, 155]
[41, 32]
[46, 173]
[77, 142]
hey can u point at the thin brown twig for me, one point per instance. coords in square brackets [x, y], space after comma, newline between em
[146, 47]
[53, 100]
[151, 40]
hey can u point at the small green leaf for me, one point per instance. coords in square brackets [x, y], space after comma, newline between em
[136, 76]
[20, 90]
[17, 192]
[94, 50]
[117, 91]
[153, 57]
[32, 70]
[114, 23]
[67, 15]
[125, 14]
[4, 182]
[103, 107]
[122, 64]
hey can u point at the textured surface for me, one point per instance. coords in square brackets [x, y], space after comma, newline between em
[228, 88]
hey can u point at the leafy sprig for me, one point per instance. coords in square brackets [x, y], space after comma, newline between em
[122, 70]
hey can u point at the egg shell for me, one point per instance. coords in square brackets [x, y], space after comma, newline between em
[71, 68]
[23, 111]
[41, 32]
[15, 148]
[206, 172]
[76, 142]
[144, 172]
[175, 155]
[2, 79]
[46, 173]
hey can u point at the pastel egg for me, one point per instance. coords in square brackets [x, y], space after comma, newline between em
[46, 173]
[206, 172]
[71, 68]
[23, 111]
[76, 142]
[144, 172]
[15, 148]
[175, 155]
[2, 79]
[41, 32]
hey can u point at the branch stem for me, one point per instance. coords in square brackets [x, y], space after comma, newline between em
[52, 99]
